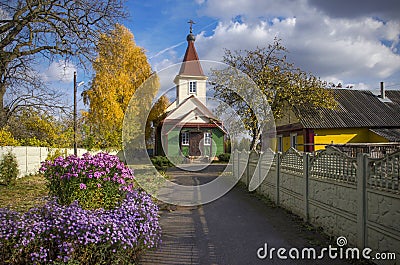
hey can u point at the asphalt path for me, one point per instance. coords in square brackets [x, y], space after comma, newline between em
[231, 230]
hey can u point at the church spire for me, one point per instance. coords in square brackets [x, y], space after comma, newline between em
[191, 64]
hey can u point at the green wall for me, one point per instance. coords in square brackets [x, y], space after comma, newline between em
[174, 142]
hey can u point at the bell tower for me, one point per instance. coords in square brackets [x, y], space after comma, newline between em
[191, 80]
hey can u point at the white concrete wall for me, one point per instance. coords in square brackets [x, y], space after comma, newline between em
[29, 158]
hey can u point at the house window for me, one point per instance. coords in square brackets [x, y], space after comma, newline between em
[192, 87]
[293, 140]
[207, 138]
[185, 138]
[280, 143]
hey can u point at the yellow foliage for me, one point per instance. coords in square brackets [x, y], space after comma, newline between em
[7, 139]
[120, 68]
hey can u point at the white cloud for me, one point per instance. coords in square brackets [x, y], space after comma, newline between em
[59, 71]
[361, 50]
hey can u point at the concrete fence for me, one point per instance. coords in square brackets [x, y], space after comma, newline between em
[358, 198]
[29, 158]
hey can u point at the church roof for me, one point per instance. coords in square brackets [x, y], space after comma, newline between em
[191, 64]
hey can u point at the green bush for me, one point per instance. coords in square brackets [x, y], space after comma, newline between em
[224, 157]
[161, 163]
[8, 169]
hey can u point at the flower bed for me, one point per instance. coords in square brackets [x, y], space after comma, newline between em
[100, 218]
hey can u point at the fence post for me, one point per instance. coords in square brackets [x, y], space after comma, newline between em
[233, 163]
[248, 170]
[306, 174]
[362, 160]
[259, 164]
[26, 161]
[278, 173]
[238, 165]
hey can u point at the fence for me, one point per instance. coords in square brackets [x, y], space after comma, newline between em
[358, 198]
[29, 158]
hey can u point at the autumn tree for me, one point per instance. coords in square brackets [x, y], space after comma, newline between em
[284, 85]
[156, 115]
[120, 68]
[37, 128]
[34, 31]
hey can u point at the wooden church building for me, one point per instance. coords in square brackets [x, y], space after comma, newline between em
[190, 129]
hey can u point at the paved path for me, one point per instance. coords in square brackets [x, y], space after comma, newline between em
[229, 230]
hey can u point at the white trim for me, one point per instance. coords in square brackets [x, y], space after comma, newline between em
[293, 143]
[207, 138]
[193, 86]
[279, 144]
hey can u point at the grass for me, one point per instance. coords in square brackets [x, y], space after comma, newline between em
[24, 194]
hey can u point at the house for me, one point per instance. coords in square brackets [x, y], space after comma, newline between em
[360, 117]
[190, 129]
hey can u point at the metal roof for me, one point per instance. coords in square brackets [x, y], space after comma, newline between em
[393, 135]
[355, 108]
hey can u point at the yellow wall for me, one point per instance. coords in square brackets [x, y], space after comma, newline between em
[342, 136]
[286, 143]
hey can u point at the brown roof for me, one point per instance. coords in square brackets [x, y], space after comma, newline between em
[356, 108]
[191, 64]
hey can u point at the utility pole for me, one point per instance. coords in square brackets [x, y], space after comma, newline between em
[75, 116]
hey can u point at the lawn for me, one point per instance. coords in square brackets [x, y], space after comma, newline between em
[26, 193]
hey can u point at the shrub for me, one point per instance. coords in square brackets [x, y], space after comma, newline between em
[8, 168]
[55, 153]
[224, 157]
[6, 138]
[161, 163]
[57, 234]
[99, 181]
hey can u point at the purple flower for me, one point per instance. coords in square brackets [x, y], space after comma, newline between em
[82, 186]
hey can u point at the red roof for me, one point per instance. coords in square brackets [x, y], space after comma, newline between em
[191, 64]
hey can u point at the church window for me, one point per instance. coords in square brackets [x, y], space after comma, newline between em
[192, 87]
[185, 138]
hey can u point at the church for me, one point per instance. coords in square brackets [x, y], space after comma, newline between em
[190, 129]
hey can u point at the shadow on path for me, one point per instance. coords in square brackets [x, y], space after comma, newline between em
[229, 230]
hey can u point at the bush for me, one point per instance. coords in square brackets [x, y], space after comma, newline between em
[161, 163]
[8, 169]
[6, 138]
[57, 234]
[55, 153]
[99, 181]
[224, 157]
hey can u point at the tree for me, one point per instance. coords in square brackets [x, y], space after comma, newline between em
[120, 68]
[284, 85]
[34, 128]
[31, 31]
[156, 115]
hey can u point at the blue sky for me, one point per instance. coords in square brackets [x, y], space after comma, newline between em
[352, 42]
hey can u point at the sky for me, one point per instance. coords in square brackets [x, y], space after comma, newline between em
[355, 43]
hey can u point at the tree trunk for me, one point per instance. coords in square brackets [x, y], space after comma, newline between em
[256, 138]
[3, 114]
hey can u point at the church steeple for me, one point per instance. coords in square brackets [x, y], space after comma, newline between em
[190, 64]
[190, 80]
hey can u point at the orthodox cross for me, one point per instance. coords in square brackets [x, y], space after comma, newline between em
[191, 22]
